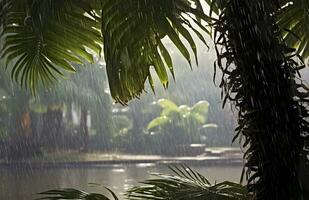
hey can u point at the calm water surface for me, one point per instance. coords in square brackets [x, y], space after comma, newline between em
[22, 184]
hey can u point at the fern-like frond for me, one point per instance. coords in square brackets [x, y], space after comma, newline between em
[74, 194]
[186, 184]
[43, 38]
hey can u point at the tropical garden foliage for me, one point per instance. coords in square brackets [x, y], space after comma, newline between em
[179, 126]
[261, 45]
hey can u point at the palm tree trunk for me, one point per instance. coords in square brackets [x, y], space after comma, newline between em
[84, 129]
[262, 86]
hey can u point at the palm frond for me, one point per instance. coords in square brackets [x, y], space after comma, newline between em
[186, 183]
[293, 19]
[132, 35]
[43, 38]
[74, 194]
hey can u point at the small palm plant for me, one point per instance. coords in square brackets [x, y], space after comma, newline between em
[180, 125]
[183, 184]
[186, 184]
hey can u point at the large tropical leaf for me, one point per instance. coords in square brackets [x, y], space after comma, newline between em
[186, 184]
[132, 34]
[43, 38]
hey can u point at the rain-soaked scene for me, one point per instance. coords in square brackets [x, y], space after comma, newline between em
[144, 99]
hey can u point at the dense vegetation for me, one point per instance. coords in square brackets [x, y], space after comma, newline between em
[261, 45]
[56, 117]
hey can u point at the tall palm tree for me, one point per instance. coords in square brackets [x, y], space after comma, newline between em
[45, 37]
[260, 78]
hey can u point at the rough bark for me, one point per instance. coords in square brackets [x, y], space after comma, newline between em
[262, 86]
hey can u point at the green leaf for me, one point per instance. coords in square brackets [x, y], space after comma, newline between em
[186, 183]
[167, 104]
[132, 42]
[159, 121]
[48, 39]
[198, 117]
[293, 19]
[201, 107]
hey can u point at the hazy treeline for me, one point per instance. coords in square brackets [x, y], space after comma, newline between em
[77, 113]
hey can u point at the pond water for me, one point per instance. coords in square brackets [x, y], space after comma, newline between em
[22, 184]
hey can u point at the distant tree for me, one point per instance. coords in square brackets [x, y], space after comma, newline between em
[22, 112]
[84, 90]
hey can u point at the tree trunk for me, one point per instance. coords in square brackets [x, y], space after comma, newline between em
[20, 144]
[52, 123]
[262, 86]
[26, 125]
[84, 130]
[137, 142]
[69, 116]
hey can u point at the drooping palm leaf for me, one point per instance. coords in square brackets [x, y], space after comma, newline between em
[132, 41]
[186, 184]
[45, 37]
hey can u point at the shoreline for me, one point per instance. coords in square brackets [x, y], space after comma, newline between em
[101, 163]
[214, 156]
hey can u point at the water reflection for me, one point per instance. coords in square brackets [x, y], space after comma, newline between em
[22, 184]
